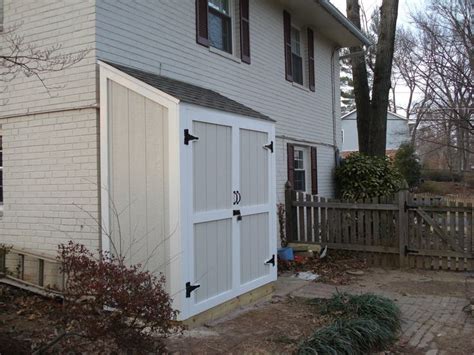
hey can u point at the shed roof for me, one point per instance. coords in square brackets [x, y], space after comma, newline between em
[190, 93]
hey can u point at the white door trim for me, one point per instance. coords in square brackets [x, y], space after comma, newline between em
[188, 115]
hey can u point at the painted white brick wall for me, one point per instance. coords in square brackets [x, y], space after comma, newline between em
[50, 180]
[43, 24]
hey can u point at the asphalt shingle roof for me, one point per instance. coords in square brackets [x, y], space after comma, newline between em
[190, 93]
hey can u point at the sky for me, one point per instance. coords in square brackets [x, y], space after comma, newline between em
[404, 8]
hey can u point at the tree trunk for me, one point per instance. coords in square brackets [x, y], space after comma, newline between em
[372, 114]
[360, 81]
[382, 75]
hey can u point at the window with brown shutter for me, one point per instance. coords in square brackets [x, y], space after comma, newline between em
[244, 31]
[287, 44]
[314, 170]
[202, 33]
[311, 81]
[290, 153]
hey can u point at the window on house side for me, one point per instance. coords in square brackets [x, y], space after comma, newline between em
[300, 172]
[296, 59]
[220, 25]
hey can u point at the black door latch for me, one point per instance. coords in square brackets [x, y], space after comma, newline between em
[237, 213]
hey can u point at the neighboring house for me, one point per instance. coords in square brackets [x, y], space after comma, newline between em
[184, 123]
[398, 132]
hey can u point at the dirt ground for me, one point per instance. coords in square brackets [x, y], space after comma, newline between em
[433, 304]
[433, 320]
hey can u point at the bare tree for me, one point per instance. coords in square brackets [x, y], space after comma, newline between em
[372, 109]
[18, 56]
[435, 58]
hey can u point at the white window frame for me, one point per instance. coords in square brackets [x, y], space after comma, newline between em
[300, 54]
[232, 14]
[306, 167]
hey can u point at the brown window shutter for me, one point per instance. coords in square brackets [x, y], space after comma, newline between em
[287, 39]
[290, 153]
[244, 31]
[201, 23]
[311, 58]
[314, 170]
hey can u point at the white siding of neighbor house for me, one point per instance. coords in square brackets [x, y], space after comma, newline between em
[51, 146]
[161, 37]
[397, 133]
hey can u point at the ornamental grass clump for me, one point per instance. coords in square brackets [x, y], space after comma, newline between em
[363, 324]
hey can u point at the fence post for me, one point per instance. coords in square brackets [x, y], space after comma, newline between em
[403, 225]
[291, 215]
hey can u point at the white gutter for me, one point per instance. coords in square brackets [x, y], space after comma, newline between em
[344, 21]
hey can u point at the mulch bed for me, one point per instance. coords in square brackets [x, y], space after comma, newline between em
[333, 269]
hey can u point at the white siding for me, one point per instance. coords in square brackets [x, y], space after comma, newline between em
[43, 24]
[397, 132]
[160, 37]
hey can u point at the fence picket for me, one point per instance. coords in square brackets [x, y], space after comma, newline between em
[436, 233]
[309, 221]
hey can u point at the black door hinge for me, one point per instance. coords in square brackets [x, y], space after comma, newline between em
[190, 288]
[269, 146]
[189, 137]
[271, 260]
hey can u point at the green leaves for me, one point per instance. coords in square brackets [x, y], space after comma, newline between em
[408, 163]
[363, 324]
[361, 176]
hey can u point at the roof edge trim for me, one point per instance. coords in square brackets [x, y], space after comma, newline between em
[345, 22]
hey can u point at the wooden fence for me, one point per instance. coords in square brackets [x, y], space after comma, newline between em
[402, 231]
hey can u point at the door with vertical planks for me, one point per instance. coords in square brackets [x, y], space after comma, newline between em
[231, 234]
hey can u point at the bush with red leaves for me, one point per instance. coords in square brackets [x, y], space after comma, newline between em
[107, 301]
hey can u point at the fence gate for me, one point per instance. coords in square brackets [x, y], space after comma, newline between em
[404, 230]
[439, 234]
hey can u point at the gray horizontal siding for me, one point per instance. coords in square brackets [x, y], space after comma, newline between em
[160, 37]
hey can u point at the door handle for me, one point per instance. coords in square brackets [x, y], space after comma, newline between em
[239, 197]
[236, 197]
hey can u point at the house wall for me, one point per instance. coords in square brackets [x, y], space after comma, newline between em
[50, 133]
[397, 133]
[50, 180]
[161, 37]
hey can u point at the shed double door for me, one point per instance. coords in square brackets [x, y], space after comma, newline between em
[232, 238]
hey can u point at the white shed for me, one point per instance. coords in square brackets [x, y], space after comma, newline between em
[188, 186]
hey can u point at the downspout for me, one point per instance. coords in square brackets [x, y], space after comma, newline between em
[333, 97]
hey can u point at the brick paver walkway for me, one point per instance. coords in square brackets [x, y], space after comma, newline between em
[431, 325]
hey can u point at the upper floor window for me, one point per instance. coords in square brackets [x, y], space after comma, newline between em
[296, 60]
[293, 48]
[220, 25]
